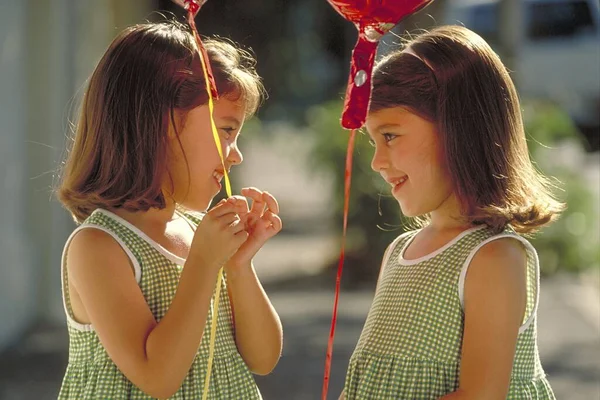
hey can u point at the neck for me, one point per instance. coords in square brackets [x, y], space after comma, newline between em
[448, 216]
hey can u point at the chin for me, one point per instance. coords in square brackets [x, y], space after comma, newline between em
[410, 212]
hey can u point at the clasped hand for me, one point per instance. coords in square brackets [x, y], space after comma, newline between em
[261, 222]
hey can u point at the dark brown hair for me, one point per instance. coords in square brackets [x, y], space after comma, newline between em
[119, 151]
[459, 83]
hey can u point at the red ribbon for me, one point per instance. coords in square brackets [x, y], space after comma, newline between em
[347, 182]
[193, 7]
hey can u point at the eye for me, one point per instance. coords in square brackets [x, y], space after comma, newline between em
[388, 136]
[228, 132]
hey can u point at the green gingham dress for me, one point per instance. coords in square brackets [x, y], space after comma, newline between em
[91, 374]
[410, 346]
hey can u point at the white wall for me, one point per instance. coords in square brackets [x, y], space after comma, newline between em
[48, 48]
[17, 275]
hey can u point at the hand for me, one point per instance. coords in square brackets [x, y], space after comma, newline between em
[219, 235]
[261, 223]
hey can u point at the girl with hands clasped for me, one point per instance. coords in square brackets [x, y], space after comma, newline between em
[139, 272]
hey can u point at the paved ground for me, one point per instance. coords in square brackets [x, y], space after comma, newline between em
[569, 323]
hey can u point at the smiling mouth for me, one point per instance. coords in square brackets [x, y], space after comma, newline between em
[397, 183]
[218, 177]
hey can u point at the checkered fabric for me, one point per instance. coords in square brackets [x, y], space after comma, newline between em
[91, 374]
[410, 345]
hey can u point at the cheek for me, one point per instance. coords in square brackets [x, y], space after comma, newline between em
[175, 160]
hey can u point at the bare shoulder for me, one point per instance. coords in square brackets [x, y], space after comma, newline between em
[500, 256]
[93, 251]
[498, 270]
[495, 297]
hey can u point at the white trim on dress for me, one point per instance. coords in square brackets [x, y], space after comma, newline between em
[170, 256]
[434, 253]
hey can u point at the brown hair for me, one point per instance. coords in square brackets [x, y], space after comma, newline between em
[118, 156]
[457, 82]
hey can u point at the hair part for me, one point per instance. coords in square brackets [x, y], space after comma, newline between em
[118, 157]
[456, 81]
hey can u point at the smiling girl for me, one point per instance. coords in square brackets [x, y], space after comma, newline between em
[454, 313]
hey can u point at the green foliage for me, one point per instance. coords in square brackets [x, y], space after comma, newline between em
[572, 242]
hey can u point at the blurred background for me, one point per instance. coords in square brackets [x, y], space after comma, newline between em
[295, 149]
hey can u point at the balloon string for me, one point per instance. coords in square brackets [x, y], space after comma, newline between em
[210, 90]
[347, 181]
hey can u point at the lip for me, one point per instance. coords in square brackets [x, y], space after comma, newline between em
[217, 177]
[397, 183]
[217, 183]
[398, 186]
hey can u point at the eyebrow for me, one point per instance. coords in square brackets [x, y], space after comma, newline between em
[385, 127]
[232, 120]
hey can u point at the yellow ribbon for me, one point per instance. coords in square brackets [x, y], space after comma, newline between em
[213, 325]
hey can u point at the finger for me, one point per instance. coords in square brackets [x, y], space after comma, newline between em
[236, 227]
[271, 202]
[271, 224]
[240, 203]
[221, 202]
[262, 227]
[221, 209]
[258, 204]
[274, 220]
[229, 219]
[252, 192]
[258, 208]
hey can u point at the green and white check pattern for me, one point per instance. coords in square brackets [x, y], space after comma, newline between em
[410, 345]
[91, 374]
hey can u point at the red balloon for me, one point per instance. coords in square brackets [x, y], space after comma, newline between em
[373, 18]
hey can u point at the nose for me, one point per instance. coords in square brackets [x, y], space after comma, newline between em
[380, 160]
[235, 156]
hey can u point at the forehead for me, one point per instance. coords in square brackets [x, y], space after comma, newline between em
[231, 106]
[381, 119]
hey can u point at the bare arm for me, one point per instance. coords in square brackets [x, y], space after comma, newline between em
[495, 299]
[258, 331]
[153, 356]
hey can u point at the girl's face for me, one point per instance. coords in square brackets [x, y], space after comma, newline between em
[408, 157]
[196, 188]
